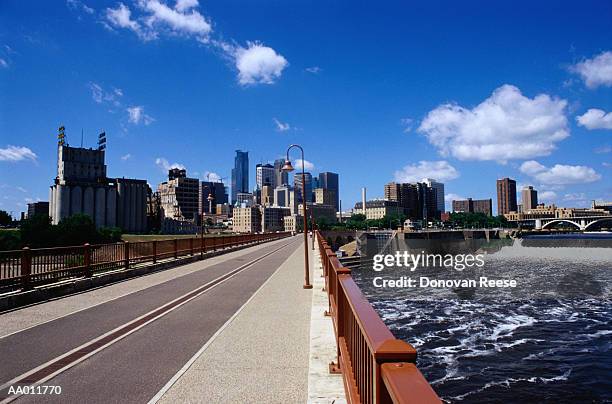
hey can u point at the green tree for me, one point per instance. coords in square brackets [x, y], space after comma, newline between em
[37, 231]
[5, 218]
[76, 230]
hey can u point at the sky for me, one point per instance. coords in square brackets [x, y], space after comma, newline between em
[462, 92]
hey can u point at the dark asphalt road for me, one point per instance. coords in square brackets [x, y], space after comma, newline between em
[135, 368]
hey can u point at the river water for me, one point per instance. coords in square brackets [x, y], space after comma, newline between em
[547, 340]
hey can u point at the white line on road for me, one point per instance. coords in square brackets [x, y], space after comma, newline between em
[204, 288]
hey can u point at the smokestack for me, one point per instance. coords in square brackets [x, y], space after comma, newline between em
[363, 200]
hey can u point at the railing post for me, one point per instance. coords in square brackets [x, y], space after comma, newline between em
[87, 259]
[126, 255]
[26, 267]
[191, 246]
[154, 251]
[202, 247]
[175, 248]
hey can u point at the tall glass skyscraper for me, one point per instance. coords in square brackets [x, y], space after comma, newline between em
[240, 174]
[330, 181]
[297, 184]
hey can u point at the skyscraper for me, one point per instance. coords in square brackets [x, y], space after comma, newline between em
[240, 174]
[329, 180]
[506, 196]
[265, 175]
[439, 187]
[529, 197]
[282, 177]
[297, 186]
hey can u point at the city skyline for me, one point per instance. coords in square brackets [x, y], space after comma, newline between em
[372, 112]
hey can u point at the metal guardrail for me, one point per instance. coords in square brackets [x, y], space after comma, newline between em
[27, 268]
[376, 366]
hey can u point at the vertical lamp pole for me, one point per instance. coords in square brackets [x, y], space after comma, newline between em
[288, 167]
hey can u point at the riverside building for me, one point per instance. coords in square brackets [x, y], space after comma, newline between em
[82, 187]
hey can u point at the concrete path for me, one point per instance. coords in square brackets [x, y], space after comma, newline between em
[261, 355]
[125, 346]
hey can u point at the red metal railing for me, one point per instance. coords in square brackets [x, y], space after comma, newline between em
[25, 268]
[376, 366]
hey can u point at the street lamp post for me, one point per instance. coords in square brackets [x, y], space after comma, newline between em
[288, 167]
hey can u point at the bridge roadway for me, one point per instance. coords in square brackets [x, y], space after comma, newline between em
[128, 342]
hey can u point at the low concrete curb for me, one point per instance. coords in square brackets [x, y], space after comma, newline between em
[323, 387]
[77, 285]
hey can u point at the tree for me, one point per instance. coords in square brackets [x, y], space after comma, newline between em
[37, 231]
[5, 218]
[76, 230]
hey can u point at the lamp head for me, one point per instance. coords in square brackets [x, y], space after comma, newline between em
[288, 167]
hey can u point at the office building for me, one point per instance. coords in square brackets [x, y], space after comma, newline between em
[330, 181]
[377, 209]
[324, 196]
[506, 196]
[317, 212]
[244, 199]
[473, 206]
[529, 197]
[265, 175]
[218, 193]
[247, 219]
[297, 186]
[240, 174]
[180, 196]
[38, 208]
[272, 218]
[439, 187]
[282, 177]
[407, 197]
[267, 195]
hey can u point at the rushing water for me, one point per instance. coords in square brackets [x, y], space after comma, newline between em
[547, 340]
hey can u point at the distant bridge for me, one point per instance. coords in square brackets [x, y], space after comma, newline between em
[582, 223]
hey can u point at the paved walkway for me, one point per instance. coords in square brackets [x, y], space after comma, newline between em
[261, 355]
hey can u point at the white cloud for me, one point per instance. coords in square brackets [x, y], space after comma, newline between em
[281, 126]
[407, 123]
[314, 69]
[603, 149]
[99, 95]
[547, 196]
[559, 174]
[505, 126]
[78, 5]
[181, 19]
[258, 64]
[3, 63]
[157, 17]
[453, 197]
[17, 153]
[121, 17]
[184, 5]
[126, 157]
[438, 170]
[211, 176]
[576, 196]
[307, 165]
[595, 119]
[164, 165]
[136, 115]
[596, 71]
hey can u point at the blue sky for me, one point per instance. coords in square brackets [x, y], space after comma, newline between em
[461, 92]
